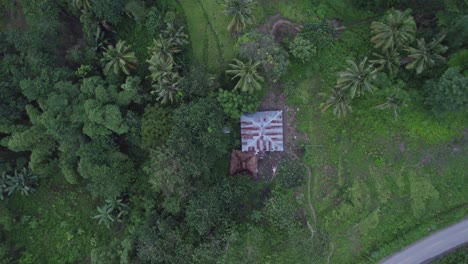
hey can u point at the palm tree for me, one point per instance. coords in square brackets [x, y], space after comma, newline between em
[105, 215]
[164, 48]
[390, 61]
[249, 79]
[168, 88]
[396, 30]
[159, 68]
[339, 101]
[119, 58]
[176, 35]
[240, 11]
[357, 78]
[426, 55]
[22, 181]
[393, 103]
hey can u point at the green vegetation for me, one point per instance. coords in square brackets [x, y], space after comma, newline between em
[115, 137]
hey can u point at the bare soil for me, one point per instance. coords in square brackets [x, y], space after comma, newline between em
[275, 100]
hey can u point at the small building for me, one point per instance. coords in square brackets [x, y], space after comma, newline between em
[243, 162]
[262, 131]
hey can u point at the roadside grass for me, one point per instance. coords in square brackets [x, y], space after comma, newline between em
[58, 218]
[378, 184]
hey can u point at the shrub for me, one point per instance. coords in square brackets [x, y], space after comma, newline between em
[320, 34]
[109, 10]
[235, 103]
[154, 22]
[302, 49]
[460, 59]
[448, 93]
[156, 126]
[257, 46]
[22, 181]
[291, 173]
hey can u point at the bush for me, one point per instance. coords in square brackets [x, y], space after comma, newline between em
[156, 126]
[320, 34]
[257, 46]
[291, 173]
[109, 10]
[154, 22]
[460, 59]
[235, 103]
[449, 93]
[302, 49]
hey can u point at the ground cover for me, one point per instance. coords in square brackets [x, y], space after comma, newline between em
[59, 219]
[378, 184]
[374, 179]
[211, 42]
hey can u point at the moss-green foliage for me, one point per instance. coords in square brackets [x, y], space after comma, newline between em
[362, 166]
[458, 256]
[109, 10]
[260, 47]
[460, 59]
[302, 49]
[291, 173]
[155, 126]
[422, 191]
[449, 93]
[235, 103]
[60, 219]
[211, 41]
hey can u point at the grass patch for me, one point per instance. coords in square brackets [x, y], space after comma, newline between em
[207, 25]
[375, 179]
[58, 218]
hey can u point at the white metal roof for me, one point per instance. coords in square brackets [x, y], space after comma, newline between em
[262, 131]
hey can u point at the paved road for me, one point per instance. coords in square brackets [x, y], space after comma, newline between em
[432, 246]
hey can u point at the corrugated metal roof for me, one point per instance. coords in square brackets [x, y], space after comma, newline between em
[262, 131]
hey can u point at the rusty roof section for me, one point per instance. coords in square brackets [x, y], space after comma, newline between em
[262, 131]
[243, 162]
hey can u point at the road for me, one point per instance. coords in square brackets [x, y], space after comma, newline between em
[432, 246]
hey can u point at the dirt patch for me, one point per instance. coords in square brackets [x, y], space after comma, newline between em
[275, 100]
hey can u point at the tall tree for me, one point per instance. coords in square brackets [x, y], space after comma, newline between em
[168, 88]
[426, 55]
[357, 78]
[176, 34]
[389, 61]
[249, 79]
[240, 11]
[160, 68]
[164, 48]
[396, 30]
[119, 58]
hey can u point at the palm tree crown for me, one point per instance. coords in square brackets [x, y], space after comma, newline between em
[159, 68]
[389, 60]
[119, 58]
[396, 30]
[164, 48]
[357, 78]
[240, 11]
[339, 101]
[176, 35]
[168, 88]
[426, 55]
[249, 79]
